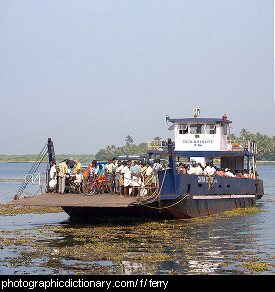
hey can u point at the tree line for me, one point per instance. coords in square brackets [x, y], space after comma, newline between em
[265, 146]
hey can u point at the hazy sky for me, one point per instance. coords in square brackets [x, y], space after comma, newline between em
[87, 73]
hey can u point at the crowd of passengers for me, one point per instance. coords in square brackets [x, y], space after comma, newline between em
[127, 177]
[210, 169]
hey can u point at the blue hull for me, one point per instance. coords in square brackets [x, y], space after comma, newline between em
[188, 196]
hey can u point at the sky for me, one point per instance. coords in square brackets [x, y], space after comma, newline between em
[87, 73]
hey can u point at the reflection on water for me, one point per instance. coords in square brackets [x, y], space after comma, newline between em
[222, 244]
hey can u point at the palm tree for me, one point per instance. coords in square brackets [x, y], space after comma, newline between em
[129, 140]
[243, 134]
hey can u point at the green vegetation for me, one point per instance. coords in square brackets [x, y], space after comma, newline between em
[129, 149]
[33, 157]
[265, 145]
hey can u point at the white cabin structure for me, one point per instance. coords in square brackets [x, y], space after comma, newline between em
[201, 135]
[203, 139]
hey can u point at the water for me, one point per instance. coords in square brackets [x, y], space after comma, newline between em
[51, 243]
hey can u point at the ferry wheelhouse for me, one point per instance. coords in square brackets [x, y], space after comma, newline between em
[203, 140]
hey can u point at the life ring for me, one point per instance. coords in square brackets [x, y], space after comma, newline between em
[158, 148]
[237, 146]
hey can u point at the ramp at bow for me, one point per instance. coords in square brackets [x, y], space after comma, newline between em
[75, 200]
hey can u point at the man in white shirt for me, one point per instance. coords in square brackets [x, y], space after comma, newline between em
[209, 169]
[127, 177]
[53, 179]
[198, 169]
[192, 169]
[228, 172]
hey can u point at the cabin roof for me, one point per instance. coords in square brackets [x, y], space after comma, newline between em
[199, 120]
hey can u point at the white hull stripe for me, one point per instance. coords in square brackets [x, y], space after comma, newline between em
[213, 197]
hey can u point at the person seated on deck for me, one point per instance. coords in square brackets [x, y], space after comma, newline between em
[209, 169]
[228, 172]
[220, 172]
[245, 173]
[182, 168]
[238, 173]
[100, 172]
[198, 169]
[192, 168]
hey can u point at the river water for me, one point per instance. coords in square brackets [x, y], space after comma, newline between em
[50, 243]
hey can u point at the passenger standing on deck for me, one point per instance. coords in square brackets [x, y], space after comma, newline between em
[62, 171]
[93, 169]
[156, 168]
[53, 177]
[115, 161]
[117, 170]
[136, 181]
[148, 177]
[86, 175]
[127, 177]
[109, 172]
[78, 180]
[78, 167]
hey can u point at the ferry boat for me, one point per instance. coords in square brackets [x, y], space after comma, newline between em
[200, 140]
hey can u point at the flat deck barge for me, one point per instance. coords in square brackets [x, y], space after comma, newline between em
[75, 200]
[89, 206]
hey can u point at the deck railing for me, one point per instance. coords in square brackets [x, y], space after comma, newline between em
[233, 145]
[157, 145]
[35, 178]
[241, 145]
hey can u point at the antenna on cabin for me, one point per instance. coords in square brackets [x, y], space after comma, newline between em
[196, 111]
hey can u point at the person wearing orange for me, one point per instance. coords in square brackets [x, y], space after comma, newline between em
[86, 175]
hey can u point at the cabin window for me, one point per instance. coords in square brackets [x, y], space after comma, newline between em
[224, 126]
[210, 129]
[196, 129]
[183, 129]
